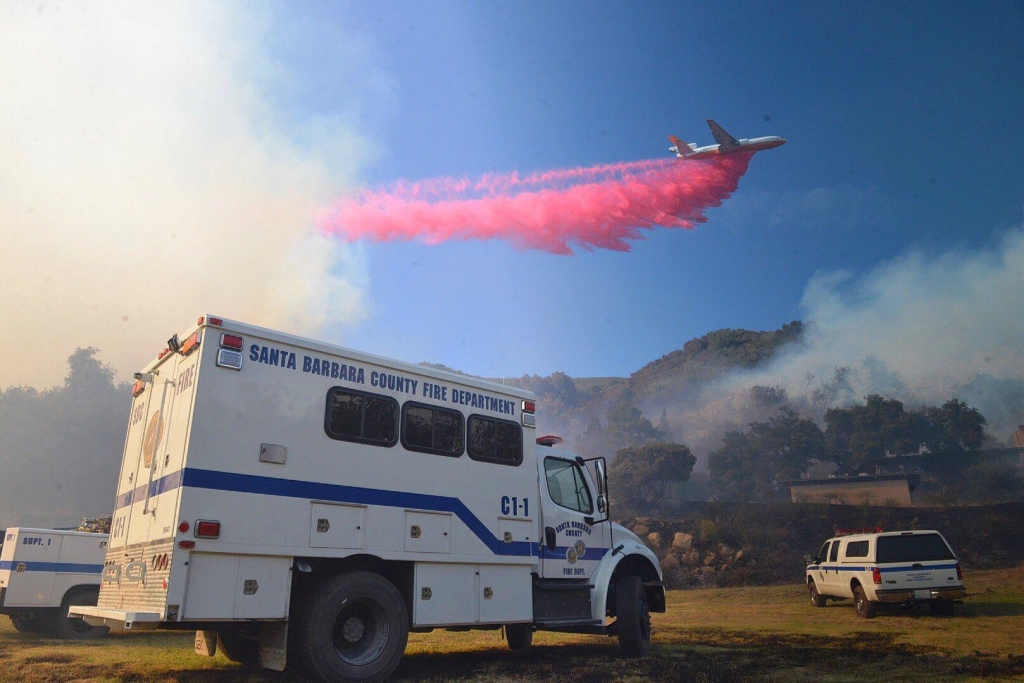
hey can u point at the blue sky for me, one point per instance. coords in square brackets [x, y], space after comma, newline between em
[904, 129]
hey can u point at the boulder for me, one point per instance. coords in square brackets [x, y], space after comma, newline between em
[670, 562]
[682, 541]
[641, 530]
[709, 559]
[738, 556]
[655, 538]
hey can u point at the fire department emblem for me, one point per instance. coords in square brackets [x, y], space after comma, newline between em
[580, 548]
[570, 555]
[154, 430]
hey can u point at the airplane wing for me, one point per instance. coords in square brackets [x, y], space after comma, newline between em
[680, 147]
[727, 141]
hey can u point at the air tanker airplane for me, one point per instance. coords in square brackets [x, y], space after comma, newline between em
[727, 144]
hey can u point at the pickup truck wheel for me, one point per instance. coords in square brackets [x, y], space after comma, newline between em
[519, 636]
[817, 599]
[240, 645]
[865, 608]
[352, 627]
[633, 616]
[77, 629]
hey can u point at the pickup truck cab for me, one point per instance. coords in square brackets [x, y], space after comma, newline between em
[873, 567]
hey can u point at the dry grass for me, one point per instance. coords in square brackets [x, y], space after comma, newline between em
[709, 636]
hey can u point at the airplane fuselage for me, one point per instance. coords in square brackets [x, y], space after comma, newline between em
[727, 144]
[745, 145]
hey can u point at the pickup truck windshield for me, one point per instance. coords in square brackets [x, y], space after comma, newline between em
[916, 548]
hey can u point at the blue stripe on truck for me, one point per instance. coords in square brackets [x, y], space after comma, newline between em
[64, 567]
[290, 488]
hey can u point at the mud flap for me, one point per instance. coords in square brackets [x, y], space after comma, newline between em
[274, 645]
[206, 643]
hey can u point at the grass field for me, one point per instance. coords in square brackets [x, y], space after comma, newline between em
[709, 636]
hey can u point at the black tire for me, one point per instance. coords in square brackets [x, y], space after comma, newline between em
[519, 636]
[240, 644]
[77, 629]
[36, 623]
[941, 608]
[633, 616]
[351, 627]
[865, 608]
[817, 599]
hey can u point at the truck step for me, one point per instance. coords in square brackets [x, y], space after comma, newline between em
[561, 586]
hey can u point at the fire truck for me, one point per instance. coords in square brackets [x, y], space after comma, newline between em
[301, 504]
[45, 571]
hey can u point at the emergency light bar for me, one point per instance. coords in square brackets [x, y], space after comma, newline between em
[850, 532]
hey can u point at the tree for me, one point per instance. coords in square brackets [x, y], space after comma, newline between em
[860, 438]
[751, 466]
[949, 431]
[624, 426]
[642, 474]
[64, 443]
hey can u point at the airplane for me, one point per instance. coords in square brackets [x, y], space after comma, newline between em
[727, 144]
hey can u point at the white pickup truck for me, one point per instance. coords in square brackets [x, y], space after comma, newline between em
[896, 568]
[45, 571]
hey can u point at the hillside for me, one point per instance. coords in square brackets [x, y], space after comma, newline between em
[710, 356]
[699, 361]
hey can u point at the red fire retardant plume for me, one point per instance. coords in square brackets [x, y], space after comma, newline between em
[596, 207]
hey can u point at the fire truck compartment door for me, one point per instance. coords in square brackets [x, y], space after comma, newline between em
[242, 586]
[337, 526]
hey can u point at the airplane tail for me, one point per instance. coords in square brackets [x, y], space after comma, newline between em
[680, 146]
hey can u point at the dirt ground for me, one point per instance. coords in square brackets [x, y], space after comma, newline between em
[709, 636]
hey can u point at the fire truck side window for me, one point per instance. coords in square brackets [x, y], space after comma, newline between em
[566, 485]
[429, 429]
[361, 417]
[497, 441]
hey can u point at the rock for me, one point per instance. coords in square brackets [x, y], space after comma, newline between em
[682, 541]
[725, 568]
[709, 559]
[738, 556]
[691, 558]
[641, 530]
[670, 562]
[707, 570]
[655, 538]
[724, 550]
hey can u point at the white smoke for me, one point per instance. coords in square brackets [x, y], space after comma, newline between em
[919, 328]
[146, 179]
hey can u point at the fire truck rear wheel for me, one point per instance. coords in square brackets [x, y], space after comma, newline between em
[240, 645]
[77, 629]
[352, 627]
[519, 636]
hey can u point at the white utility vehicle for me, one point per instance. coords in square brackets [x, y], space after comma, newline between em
[301, 503]
[45, 571]
[896, 568]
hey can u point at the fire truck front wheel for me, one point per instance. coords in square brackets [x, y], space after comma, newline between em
[76, 629]
[352, 627]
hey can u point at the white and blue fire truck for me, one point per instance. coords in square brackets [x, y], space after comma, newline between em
[43, 572]
[300, 504]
